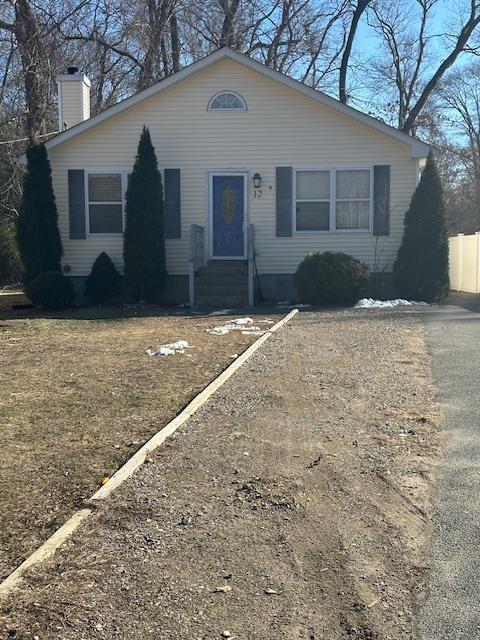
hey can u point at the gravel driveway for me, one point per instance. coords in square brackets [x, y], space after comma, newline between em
[294, 505]
[452, 611]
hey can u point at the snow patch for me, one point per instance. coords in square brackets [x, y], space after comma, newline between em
[370, 303]
[168, 349]
[238, 324]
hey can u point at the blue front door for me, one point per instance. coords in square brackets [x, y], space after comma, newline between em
[228, 213]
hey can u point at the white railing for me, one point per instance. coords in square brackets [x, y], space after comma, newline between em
[464, 262]
[196, 259]
[251, 264]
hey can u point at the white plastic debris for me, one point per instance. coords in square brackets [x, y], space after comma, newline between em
[236, 325]
[370, 303]
[242, 321]
[168, 349]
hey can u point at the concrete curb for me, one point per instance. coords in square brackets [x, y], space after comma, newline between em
[43, 552]
[56, 540]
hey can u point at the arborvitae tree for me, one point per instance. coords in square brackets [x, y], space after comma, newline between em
[144, 240]
[420, 271]
[37, 226]
[104, 280]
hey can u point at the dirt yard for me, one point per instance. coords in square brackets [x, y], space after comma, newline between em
[294, 505]
[78, 396]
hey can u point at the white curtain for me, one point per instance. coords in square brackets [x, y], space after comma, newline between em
[313, 185]
[353, 184]
[353, 215]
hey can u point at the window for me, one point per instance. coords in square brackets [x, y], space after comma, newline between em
[333, 200]
[105, 202]
[313, 200]
[227, 100]
[352, 199]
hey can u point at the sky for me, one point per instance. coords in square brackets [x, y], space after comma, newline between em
[445, 16]
[367, 41]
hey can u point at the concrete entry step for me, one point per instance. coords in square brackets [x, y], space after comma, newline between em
[222, 283]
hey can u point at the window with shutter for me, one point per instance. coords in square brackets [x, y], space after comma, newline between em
[333, 200]
[105, 202]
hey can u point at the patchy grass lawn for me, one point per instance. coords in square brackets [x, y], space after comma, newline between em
[78, 396]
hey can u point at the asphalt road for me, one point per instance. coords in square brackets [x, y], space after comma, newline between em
[453, 609]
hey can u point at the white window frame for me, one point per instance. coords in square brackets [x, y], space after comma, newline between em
[333, 200]
[219, 93]
[106, 172]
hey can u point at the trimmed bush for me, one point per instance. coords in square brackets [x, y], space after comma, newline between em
[331, 278]
[104, 280]
[144, 236]
[420, 271]
[51, 290]
[38, 236]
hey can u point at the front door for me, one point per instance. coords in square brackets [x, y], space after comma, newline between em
[228, 216]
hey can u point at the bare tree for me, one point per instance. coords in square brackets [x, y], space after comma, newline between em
[27, 33]
[460, 45]
[405, 42]
[358, 11]
[407, 36]
[459, 98]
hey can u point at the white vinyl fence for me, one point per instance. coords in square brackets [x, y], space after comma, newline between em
[464, 257]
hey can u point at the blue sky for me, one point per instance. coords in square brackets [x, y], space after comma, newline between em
[367, 41]
[447, 15]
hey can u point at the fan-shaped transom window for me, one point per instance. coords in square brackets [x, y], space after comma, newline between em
[227, 100]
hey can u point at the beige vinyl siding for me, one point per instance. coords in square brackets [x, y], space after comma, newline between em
[75, 102]
[280, 128]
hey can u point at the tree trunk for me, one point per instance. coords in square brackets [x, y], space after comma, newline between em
[36, 78]
[229, 11]
[357, 14]
[175, 42]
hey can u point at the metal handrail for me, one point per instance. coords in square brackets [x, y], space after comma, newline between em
[196, 259]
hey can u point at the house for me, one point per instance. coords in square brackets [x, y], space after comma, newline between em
[258, 170]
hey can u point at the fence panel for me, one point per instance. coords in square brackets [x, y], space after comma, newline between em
[464, 258]
[454, 259]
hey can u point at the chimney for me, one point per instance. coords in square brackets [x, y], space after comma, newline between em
[73, 98]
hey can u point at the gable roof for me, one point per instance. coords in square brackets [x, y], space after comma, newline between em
[419, 149]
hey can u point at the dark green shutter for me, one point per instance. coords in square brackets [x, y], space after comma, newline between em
[284, 203]
[76, 204]
[381, 200]
[173, 218]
